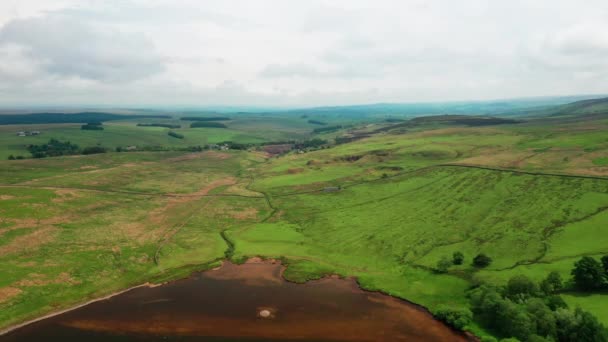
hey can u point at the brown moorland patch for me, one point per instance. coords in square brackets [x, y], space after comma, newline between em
[159, 216]
[8, 292]
[245, 214]
[37, 279]
[30, 241]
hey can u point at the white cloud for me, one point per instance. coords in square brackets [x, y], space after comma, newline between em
[66, 46]
[289, 52]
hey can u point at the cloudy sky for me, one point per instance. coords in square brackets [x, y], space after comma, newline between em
[298, 53]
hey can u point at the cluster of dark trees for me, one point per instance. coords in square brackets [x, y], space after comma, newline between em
[53, 148]
[92, 126]
[94, 150]
[175, 135]
[40, 118]
[56, 148]
[589, 274]
[312, 143]
[209, 118]
[326, 129]
[317, 122]
[207, 124]
[158, 125]
[532, 312]
[480, 260]
[13, 157]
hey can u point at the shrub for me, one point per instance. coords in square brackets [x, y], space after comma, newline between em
[316, 122]
[92, 126]
[158, 125]
[457, 318]
[443, 265]
[94, 150]
[175, 135]
[208, 118]
[482, 260]
[552, 283]
[458, 258]
[520, 287]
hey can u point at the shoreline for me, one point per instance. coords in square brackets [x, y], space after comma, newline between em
[251, 260]
[60, 312]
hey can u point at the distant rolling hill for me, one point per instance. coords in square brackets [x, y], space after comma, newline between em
[593, 106]
[506, 107]
[589, 109]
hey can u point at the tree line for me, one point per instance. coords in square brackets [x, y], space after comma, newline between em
[523, 310]
[55, 148]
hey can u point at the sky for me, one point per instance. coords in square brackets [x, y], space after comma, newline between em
[287, 53]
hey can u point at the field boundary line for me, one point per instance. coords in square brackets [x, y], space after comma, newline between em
[124, 192]
[532, 173]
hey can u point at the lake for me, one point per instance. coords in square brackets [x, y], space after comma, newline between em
[249, 302]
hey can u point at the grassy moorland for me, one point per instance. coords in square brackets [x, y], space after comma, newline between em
[385, 208]
[243, 129]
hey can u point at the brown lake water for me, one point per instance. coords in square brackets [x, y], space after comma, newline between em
[249, 302]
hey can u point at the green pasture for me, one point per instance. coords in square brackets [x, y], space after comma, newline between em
[78, 227]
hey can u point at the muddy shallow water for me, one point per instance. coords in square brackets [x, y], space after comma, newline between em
[250, 302]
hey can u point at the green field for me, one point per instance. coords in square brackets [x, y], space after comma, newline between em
[244, 130]
[533, 196]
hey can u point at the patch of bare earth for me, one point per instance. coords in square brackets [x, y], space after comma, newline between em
[65, 195]
[246, 214]
[31, 223]
[36, 279]
[8, 292]
[594, 171]
[189, 156]
[457, 130]
[6, 197]
[30, 241]
[216, 155]
[160, 216]
[498, 158]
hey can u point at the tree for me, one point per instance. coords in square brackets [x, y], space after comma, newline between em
[457, 258]
[482, 260]
[543, 317]
[486, 302]
[605, 263]
[589, 328]
[11, 157]
[457, 318]
[94, 150]
[552, 283]
[579, 326]
[520, 287]
[588, 274]
[514, 320]
[443, 264]
[556, 302]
